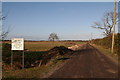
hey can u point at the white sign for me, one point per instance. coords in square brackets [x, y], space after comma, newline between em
[17, 44]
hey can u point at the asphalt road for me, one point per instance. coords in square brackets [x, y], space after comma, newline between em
[87, 63]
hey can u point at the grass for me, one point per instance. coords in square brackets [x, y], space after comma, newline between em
[35, 49]
[36, 72]
[44, 46]
[107, 51]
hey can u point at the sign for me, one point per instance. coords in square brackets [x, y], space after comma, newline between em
[17, 44]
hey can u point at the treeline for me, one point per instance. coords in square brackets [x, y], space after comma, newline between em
[8, 41]
[106, 42]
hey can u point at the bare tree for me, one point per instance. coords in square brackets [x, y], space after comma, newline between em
[3, 32]
[53, 37]
[107, 23]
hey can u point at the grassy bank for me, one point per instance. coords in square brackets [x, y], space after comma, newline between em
[38, 63]
[36, 72]
[107, 51]
[105, 45]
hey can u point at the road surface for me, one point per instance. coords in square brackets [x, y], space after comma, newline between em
[87, 63]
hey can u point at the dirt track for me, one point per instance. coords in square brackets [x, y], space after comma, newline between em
[87, 63]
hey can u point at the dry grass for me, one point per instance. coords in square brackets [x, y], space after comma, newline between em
[107, 51]
[44, 46]
[36, 72]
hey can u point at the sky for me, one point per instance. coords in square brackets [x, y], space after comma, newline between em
[70, 20]
[59, 0]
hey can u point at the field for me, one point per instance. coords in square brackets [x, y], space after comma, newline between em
[35, 51]
[43, 46]
[46, 45]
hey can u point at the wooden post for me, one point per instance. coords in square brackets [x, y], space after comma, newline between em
[113, 35]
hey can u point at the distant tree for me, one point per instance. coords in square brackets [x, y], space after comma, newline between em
[53, 37]
[107, 23]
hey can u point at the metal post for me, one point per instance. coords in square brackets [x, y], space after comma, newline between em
[91, 36]
[11, 59]
[23, 60]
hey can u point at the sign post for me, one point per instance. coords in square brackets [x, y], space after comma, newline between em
[17, 44]
[11, 59]
[23, 60]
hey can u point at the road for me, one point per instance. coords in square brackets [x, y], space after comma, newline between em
[87, 63]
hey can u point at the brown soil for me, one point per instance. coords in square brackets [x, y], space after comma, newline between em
[61, 50]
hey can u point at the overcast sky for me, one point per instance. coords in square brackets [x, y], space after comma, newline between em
[70, 20]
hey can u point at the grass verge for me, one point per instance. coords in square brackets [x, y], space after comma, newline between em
[36, 72]
[107, 51]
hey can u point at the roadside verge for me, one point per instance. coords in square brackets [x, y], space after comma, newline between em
[106, 52]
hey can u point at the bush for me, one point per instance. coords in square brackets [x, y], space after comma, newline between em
[6, 50]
